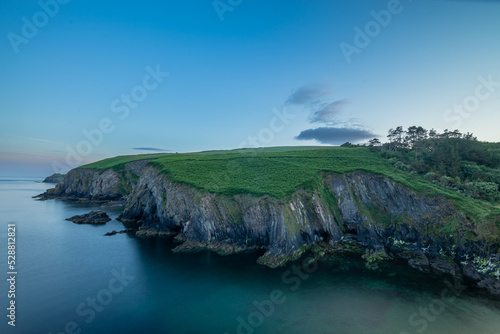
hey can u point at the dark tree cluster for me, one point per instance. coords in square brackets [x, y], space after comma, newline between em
[451, 159]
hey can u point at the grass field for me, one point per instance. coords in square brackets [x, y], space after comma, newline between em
[277, 171]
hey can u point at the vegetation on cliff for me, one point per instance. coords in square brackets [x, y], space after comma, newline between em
[453, 160]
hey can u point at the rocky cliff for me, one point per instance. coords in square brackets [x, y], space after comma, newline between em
[358, 211]
[54, 178]
[97, 185]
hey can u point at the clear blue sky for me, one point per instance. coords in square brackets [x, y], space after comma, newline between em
[250, 73]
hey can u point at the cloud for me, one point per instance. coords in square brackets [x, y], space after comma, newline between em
[150, 149]
[317, 100]
[327, 112]
[335, 136]
[42, 140]
[309, 94]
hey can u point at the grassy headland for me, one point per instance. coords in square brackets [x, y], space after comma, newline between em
[281, 171]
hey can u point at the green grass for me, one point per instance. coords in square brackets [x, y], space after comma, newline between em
[276, 173]
[123, 159]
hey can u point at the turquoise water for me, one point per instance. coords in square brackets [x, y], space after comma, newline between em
[67, 283]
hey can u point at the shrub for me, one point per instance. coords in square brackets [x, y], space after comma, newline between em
[483, 190]
[445, 181]
[431, 176]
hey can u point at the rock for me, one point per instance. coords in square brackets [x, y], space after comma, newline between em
[420, 263]
[443, 266]
[471, 273]
[95, 186]
[111, 204]
[179, 238]
[54, 178]
[221, 248]
[122, 231]
[93, 217]
[492, 285]
[151, 232]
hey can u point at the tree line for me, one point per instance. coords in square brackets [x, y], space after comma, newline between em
[410, 138]
[451, 159]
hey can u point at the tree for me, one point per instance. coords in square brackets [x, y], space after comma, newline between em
[374, 142]
[469, 136]
[455, 134]
[422, 133]
[400, 134]
[411, 136]
[391, 136]
[445, 134]
[396, 138]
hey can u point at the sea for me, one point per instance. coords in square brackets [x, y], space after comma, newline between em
[69, 278]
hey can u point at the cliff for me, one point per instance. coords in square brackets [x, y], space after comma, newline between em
[96, 185]
[356, 211]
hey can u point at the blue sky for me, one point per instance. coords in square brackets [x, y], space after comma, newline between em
[87, 80]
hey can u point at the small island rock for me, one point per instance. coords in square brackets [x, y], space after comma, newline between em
[93, 217]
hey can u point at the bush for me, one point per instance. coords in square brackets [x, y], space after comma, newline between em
[470, 170]
[431, 176]
[483, 190]
[445, 181]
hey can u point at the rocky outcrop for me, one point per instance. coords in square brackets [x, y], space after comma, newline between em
[54, 178]
[370, 214]
[150, 232]
[128, 230]
[86, 184]
[94, 217]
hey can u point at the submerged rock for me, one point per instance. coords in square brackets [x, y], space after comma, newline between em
[152, 232]
[119, 232]
[93, 217]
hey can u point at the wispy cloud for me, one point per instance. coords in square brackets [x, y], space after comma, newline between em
[335, 136]
[32, 158]
[42, 140]
[309, 94]
[154, 149]
[327, 112]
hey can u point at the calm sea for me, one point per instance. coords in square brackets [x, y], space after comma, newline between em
[73, 279]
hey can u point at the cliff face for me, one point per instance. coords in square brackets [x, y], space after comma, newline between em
[368, 211]
[364, 208]
[89, 184]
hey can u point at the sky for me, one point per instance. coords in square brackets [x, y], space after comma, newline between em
[86, 80]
